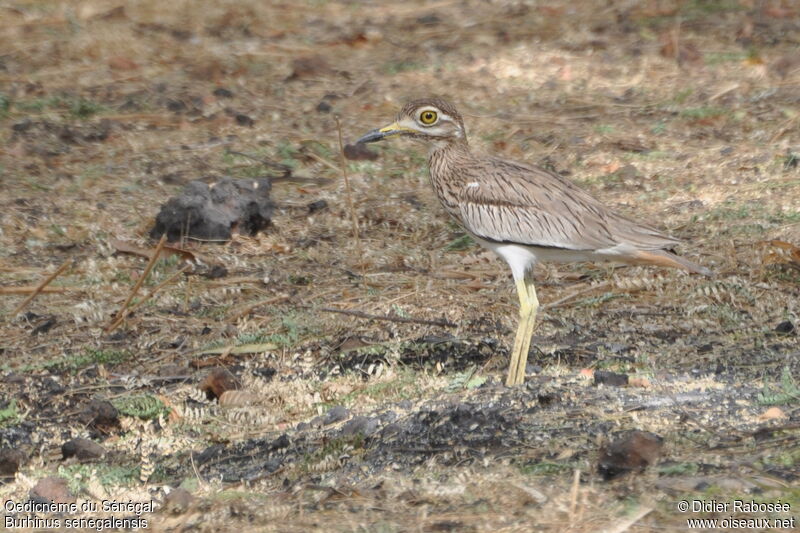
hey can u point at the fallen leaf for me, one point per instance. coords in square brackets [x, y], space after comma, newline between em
[122, 63]
[777, 12]
[780, 252]
[610, 168]
[679, 50]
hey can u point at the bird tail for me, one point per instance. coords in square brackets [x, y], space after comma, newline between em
[668, 259]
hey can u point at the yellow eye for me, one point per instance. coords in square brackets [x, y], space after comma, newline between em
[427, 117]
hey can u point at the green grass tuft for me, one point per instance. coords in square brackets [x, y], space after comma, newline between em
[144, 406]
[9, 415]
[785, 393]
[73, 363]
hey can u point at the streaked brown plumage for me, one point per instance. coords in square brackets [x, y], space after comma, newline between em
[522, 212]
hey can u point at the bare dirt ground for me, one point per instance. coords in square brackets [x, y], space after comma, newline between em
[684, 114]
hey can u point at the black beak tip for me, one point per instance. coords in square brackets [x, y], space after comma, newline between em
[371, 137]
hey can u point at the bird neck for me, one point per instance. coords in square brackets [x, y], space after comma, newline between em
[453, 147]
[444, 160]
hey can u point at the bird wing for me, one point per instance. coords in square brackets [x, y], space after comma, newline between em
[512, 202]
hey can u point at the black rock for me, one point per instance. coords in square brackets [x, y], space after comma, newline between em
[212, 212]
[360, 425]
[335, 414]
[100, 414]
[266, 372]
[244, 120]
[604, 377]
[44, 326]
[176, 106]
[785, 327]
[212, 452]
[215, 272]
[82, 449]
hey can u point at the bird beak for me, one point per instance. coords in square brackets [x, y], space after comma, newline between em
[388, 131]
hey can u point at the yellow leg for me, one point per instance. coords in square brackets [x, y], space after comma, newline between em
[528, 306]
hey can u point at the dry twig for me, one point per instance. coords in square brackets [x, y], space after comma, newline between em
[343, 164]
[402, 320]
[29, 289]
[248, 308]
[123, 312]
[158, 287]
[627, 523]
[41, 287]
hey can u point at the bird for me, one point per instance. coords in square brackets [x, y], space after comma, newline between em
[523, 213]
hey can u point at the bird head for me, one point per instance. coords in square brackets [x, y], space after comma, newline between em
[428, 119]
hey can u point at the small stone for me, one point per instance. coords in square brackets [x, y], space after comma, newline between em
[324, 107]
[265, 372]
[215, 272]
[359, 152]
[337, 413]
[628, 172]
[244, 120]
[52, 489]
[178, 501]
[100, 414]
[44, 326]
[218, 381]
[360, 425]
[634, 451]
[222, 92]
[10, 461]
[82, 449]
[705, 348]
[785, 327]
[317, 205]
[176, 106]
[312, 66]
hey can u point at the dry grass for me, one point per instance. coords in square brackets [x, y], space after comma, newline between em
[105, 112]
